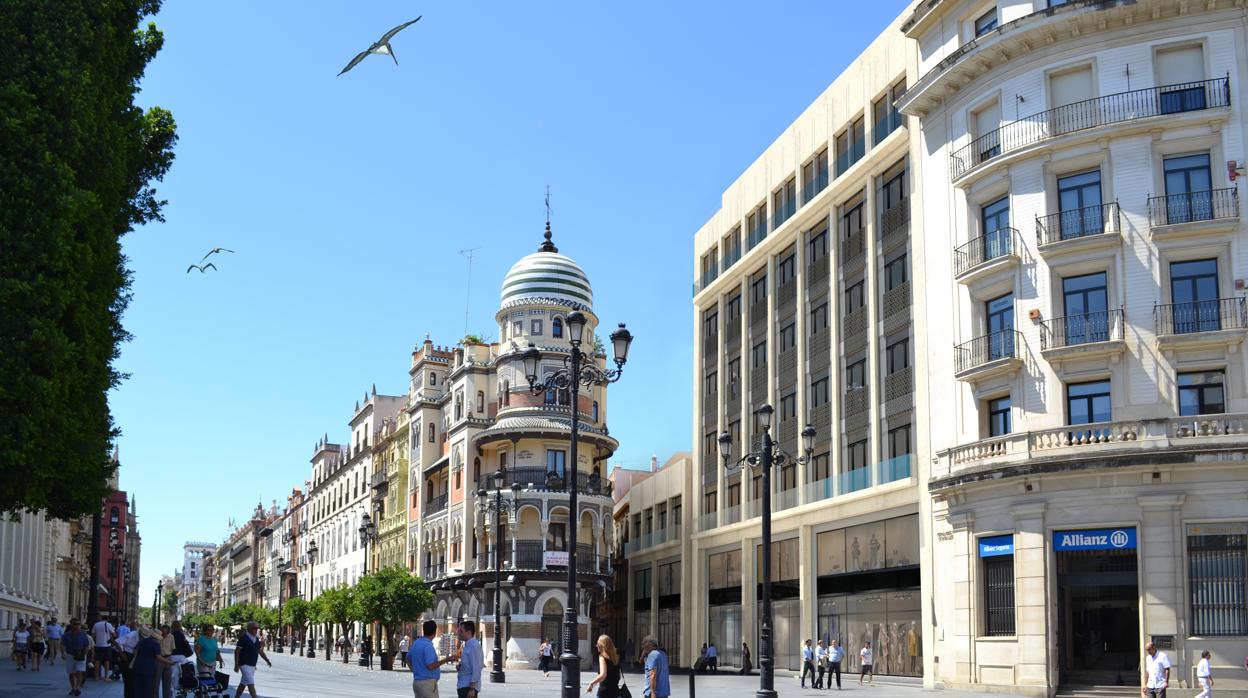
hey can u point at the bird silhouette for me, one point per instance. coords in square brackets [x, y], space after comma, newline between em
[215, 250]
[201, 267]
[380, 47]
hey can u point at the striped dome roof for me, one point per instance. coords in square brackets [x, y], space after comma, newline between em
[546, 276]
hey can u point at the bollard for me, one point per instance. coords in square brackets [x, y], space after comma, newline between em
[693, 692]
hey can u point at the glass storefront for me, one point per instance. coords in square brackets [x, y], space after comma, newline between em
[889, 620]
[786, 640]
[641, 628]
[669, 634]
[724, 629]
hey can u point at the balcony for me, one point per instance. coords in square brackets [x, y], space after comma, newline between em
[1066, 444]
[1122, 107]
[986, 254]
[853, 247]
[1085, 335]
[708, 521]
[994, 354]
[1078, 229]
[1173, 215]
[437, 504]
[705, 279]
[895, 225]
[535, 479]
[1214, 321]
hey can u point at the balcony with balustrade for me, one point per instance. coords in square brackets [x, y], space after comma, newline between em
[1084, 335]
[1078, 231]
[534, 556]
[989, 356]
[1177, 216]
[1068, 447]
[993, 252]
[1213, 322]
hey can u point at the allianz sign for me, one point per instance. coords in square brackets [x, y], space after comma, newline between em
[1095, 539]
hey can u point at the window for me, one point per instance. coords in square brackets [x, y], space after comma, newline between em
[820, 469]
[853, 297]
[734, 378]
[1188, 186]
[1085, 301]
[758, 355]
[819, 392]
[1194, 292]
[595, 411]
[1201, 393]
[506, 393]
[1218, 563]
[815, 176]
[999, 416]
[710, 325]
[480, 401]
[787, 269]
[756, 224]
[788, 407]
[114, 516]
[1087, 403]
[817, 246]
[996, 240]
[788, 337]
[850, 146]
[710, 503]
[733, 496]
[999, 326]
[710, 266]
[818, 318]
[432, 433]
[999, 594]
[895, 272]
[556, 536]
[732, 247]
[855, 375]
[986, 22]
[784, 203]
[536, 327]
[1079, 202]
[433, 378]
[987, 138]
[709, 443]
[517, 328]
[1070, 87]
[897, 355]
[893, 193]
[733, 307]
[758, 290]
[556, 328]
[856, 455]
[710, 384]
[556, 461]
[884, 112]
[1180, 72]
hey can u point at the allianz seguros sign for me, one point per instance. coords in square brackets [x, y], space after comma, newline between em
[1095, 539]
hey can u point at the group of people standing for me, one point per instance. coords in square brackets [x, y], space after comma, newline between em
[825, 658]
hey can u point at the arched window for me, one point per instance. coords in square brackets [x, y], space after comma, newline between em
[480, 400]
[433, 433]
[433, 378]
[556, 327]
[459, 406]
[476, 470]
[595, 410]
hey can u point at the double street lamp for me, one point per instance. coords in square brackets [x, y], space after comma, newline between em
[576, 372]
[312, 551]
[368, 532]
[762, 460]
[501, 508]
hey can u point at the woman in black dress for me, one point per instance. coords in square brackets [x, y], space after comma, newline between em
[608, 678]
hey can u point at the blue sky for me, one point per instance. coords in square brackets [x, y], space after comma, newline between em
[347, 200]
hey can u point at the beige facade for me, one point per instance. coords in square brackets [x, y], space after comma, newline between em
[1084, 259]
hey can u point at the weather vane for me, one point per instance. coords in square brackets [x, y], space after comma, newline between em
[547, 205]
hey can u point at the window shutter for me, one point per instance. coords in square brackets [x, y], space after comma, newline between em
[987, 120]
[1070, 87]
[1179, 65]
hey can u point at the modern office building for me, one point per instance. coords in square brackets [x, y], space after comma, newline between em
[804, 300]
[1084, 287]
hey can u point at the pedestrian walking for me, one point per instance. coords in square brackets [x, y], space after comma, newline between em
[608, 678]
[821, 663]
[426, 667]
[366, 651]
[746, 665]
[712, 658]
[76, 644]
[471, 661]
[21, 644]
[102, 634]
[544, 655]
[808, 662]
[835, 655]
[1204, 676]
[38, 644]
[404, 646]
[868, 669]
[247, 654]
[658, 682]
[207, 651]
[123, 662]
[165, 636]
[147, 664]
[1156, 672]
[55, 633]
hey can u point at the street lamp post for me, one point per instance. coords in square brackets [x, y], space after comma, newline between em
[312, 551]
[768, 455]
[368, 532]
[571, 377]
[498, 674]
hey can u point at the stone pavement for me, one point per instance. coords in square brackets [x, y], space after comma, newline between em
[299, 677]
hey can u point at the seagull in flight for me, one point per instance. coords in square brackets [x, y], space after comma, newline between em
[381, 47]
[201, 267]
[215, 250]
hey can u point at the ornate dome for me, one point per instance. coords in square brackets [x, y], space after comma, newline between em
[547, 276]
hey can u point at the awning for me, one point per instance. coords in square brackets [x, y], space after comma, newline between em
[438, 464]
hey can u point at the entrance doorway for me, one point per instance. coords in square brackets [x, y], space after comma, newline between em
[1098, 617]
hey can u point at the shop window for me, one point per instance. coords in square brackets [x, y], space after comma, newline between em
[1218, 566]
[998, 592]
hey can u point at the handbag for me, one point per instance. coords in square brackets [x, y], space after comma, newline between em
[624, 692]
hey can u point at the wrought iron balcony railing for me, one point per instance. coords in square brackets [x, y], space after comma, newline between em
[1072, 330]
[1201, 316]
[994, 346]
[1090, 113]
[436, 504]
[1192, 206]
[1077, 223]
[995, 244]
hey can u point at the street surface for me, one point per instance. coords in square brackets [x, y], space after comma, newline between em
[299, 677]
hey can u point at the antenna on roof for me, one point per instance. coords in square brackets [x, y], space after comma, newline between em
[468, 286]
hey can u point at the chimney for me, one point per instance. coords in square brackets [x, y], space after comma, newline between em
[654, 463]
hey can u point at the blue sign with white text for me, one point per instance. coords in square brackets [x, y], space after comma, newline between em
[996, 545]
[1094, 539]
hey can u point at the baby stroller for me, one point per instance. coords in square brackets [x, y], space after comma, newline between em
[215, 684]
[187, 683]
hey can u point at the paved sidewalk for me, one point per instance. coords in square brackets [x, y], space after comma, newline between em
[50, 681]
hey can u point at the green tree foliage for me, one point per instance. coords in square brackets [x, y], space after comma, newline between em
[169, 607]
[78, 160]
[296, 613]
[145, 615]
[339, 607]
[391, 596]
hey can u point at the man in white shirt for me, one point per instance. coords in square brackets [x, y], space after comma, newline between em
[866, 657]
[1204, 675]
[102, 634]
[1156, 672]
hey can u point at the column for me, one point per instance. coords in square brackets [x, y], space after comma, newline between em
[1031, 595]
[963, 626]
[1158, 545]
[808, 586]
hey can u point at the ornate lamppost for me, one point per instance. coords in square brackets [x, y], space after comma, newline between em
[501, 508]
[575, 373]
[368, 533]
[762, 460]
[312, 551]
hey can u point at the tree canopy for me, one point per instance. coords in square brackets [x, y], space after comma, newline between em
[78, 159]
[391, 596]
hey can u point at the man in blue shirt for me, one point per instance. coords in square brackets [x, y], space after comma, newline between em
[426, 667]
[471, 661]
[835, 655]
[658, 683]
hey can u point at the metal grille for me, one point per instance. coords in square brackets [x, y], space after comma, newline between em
[999, 595]
[1218, 568]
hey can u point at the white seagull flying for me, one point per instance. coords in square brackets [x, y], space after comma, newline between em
[381, 47]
